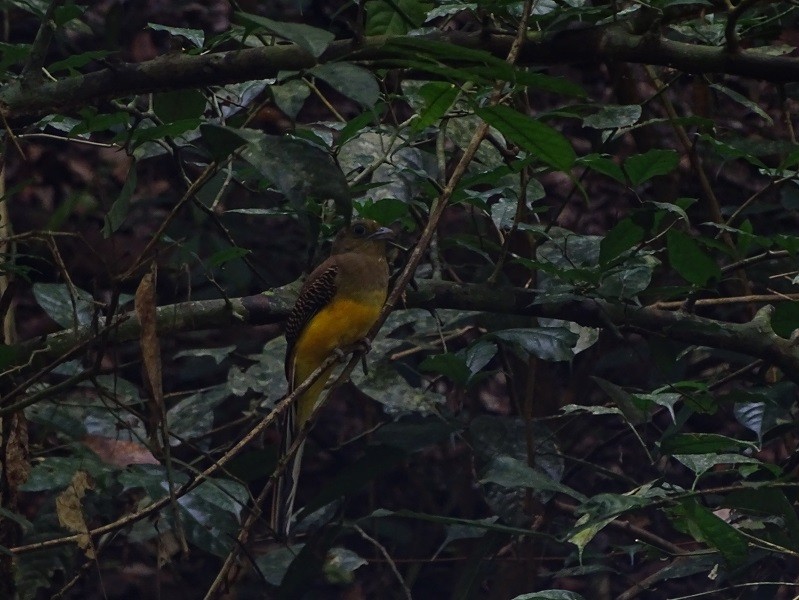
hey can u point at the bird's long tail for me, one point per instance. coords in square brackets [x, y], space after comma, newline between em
[286, 486]
[296, 419]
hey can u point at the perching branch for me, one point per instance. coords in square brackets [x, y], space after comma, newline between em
[613, 42]
[754, 338]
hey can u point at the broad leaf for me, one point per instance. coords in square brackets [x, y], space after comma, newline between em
[531, 135]
[643, 167]
[312, 39]
[689, 260]
[546, 343]
[67, 307]
[350, 80]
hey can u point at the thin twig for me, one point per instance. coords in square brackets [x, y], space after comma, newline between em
[323, 99]
[753, 298]
[387, 556]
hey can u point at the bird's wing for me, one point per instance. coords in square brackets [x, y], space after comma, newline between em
[315, 294]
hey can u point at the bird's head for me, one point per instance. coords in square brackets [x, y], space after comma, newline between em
[362, 235]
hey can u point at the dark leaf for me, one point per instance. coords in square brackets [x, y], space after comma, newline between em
[312, 39]
[643, 167]
[546, 343]
[689, 260]
[533, 136]
[350, 80]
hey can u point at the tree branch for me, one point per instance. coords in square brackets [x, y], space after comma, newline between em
[612, 42]
[755, 338]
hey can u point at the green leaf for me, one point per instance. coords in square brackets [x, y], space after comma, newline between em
[548, 83]
[224, 141]
[398, 397]
[12, 54]
[217, 354]
[460, 531]
[461, 367]
[604, 165]
[266, 376]
[209, 514]
[55, 472]
[478, 355]
[546, 343]
[629, 278]
[634, 411]
[299, 170]
[512, 473]
[394, 17]
[312, 39]
[413, 434]
[438, 97]
[701, 463]
[607, 506]
[340, 565]
[614, 116]
[193, 416]
[92, 121]
[503, 213]
[179, 105]
[23, 523]
[351, 81]
[140, 135]
[621, 238]
[531, 135]
[75, 61]
[196, 37]
[689, 260]
[643, 167]
[387, 210]
[743, 101]
[274, 564]
[785, 319]
[57, 301]
[665, 399]
[355, 126]
[290, 96]
[717, 533]
[225, 256]
[121, 207]
[448, 364]
[767, 502]
[702, 443]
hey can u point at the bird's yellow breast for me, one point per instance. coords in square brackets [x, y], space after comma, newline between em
[340, 324]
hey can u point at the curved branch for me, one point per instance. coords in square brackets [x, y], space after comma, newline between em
[612, 42]
[755, 338]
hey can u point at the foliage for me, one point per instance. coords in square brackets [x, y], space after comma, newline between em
[591, 395]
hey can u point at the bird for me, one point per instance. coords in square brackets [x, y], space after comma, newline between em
[337, 305]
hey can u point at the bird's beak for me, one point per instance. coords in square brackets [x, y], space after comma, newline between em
[384, 233]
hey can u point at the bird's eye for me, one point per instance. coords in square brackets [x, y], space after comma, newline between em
[359, 229]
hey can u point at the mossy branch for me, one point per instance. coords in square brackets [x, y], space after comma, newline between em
[614, 42]
[755, 338]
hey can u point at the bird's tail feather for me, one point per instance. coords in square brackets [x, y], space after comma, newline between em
[296, 419]
[286, 486]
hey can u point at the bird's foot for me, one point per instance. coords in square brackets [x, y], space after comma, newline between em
[363, 345]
